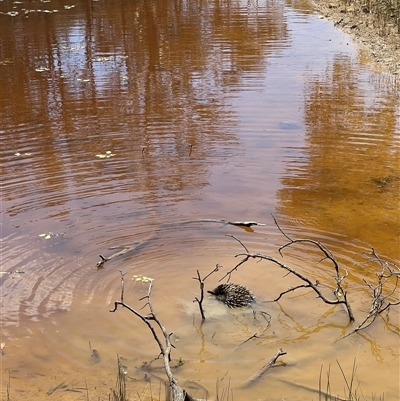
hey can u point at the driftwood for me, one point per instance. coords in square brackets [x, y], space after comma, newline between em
[128, 248]
[225, 222]
[152, 321]
[339, 291]
[124, 249]
[264, 369]
[380, 301]
[62, 385]
[382, 298]
[383, 291]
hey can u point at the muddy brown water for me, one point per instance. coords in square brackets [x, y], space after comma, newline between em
[124, 122]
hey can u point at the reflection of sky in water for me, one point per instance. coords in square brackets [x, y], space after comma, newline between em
[79, 62]
[242, 101]
[270, 115]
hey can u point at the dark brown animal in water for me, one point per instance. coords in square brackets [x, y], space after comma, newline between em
[233, 295]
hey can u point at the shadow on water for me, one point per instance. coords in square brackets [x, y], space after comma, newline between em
[128, 124]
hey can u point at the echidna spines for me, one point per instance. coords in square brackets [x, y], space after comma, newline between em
[233, 295]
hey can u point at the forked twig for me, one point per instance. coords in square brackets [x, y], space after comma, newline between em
[201, 282]
[165, 346]
[339, 291]
[380, 301]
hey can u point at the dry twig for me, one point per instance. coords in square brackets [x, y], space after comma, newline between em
[128, 248]
[201, 282]
[380, 301]
[382, 297]
[265, 368]
[339, 291]
[165, 346]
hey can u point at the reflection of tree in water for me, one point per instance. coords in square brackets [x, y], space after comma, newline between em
[302, 6]
[133, 75]
[350, 141]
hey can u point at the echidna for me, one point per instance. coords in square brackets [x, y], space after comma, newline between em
[233, 295]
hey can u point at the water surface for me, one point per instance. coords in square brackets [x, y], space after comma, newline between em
[129, 123]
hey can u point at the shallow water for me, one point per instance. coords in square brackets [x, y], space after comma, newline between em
[130, 123]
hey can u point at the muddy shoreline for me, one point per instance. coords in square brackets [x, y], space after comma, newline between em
[380, 41]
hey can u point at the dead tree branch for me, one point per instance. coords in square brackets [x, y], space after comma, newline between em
[165, 346]
[201, 282]
[128, 248]
[384, 291]
[339, 291]
[309, 284]
[290, 290]
[245, 259]
[265, 368]
[381, 302]
[226, 222]
[124, 249]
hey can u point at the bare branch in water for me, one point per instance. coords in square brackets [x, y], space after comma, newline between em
[338, 291]
[201, 283]
[380, 301]
[165, 345]
[265, 368]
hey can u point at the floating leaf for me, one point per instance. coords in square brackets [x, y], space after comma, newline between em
[102, 59]
[17, 154]
[41, 69]
[143, 279]
[47, 235]
[106, 155]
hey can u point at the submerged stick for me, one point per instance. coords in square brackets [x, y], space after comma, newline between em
[128, 248]
[265, 368]
[164, 342]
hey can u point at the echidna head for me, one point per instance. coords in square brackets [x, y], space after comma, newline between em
[219, 290]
